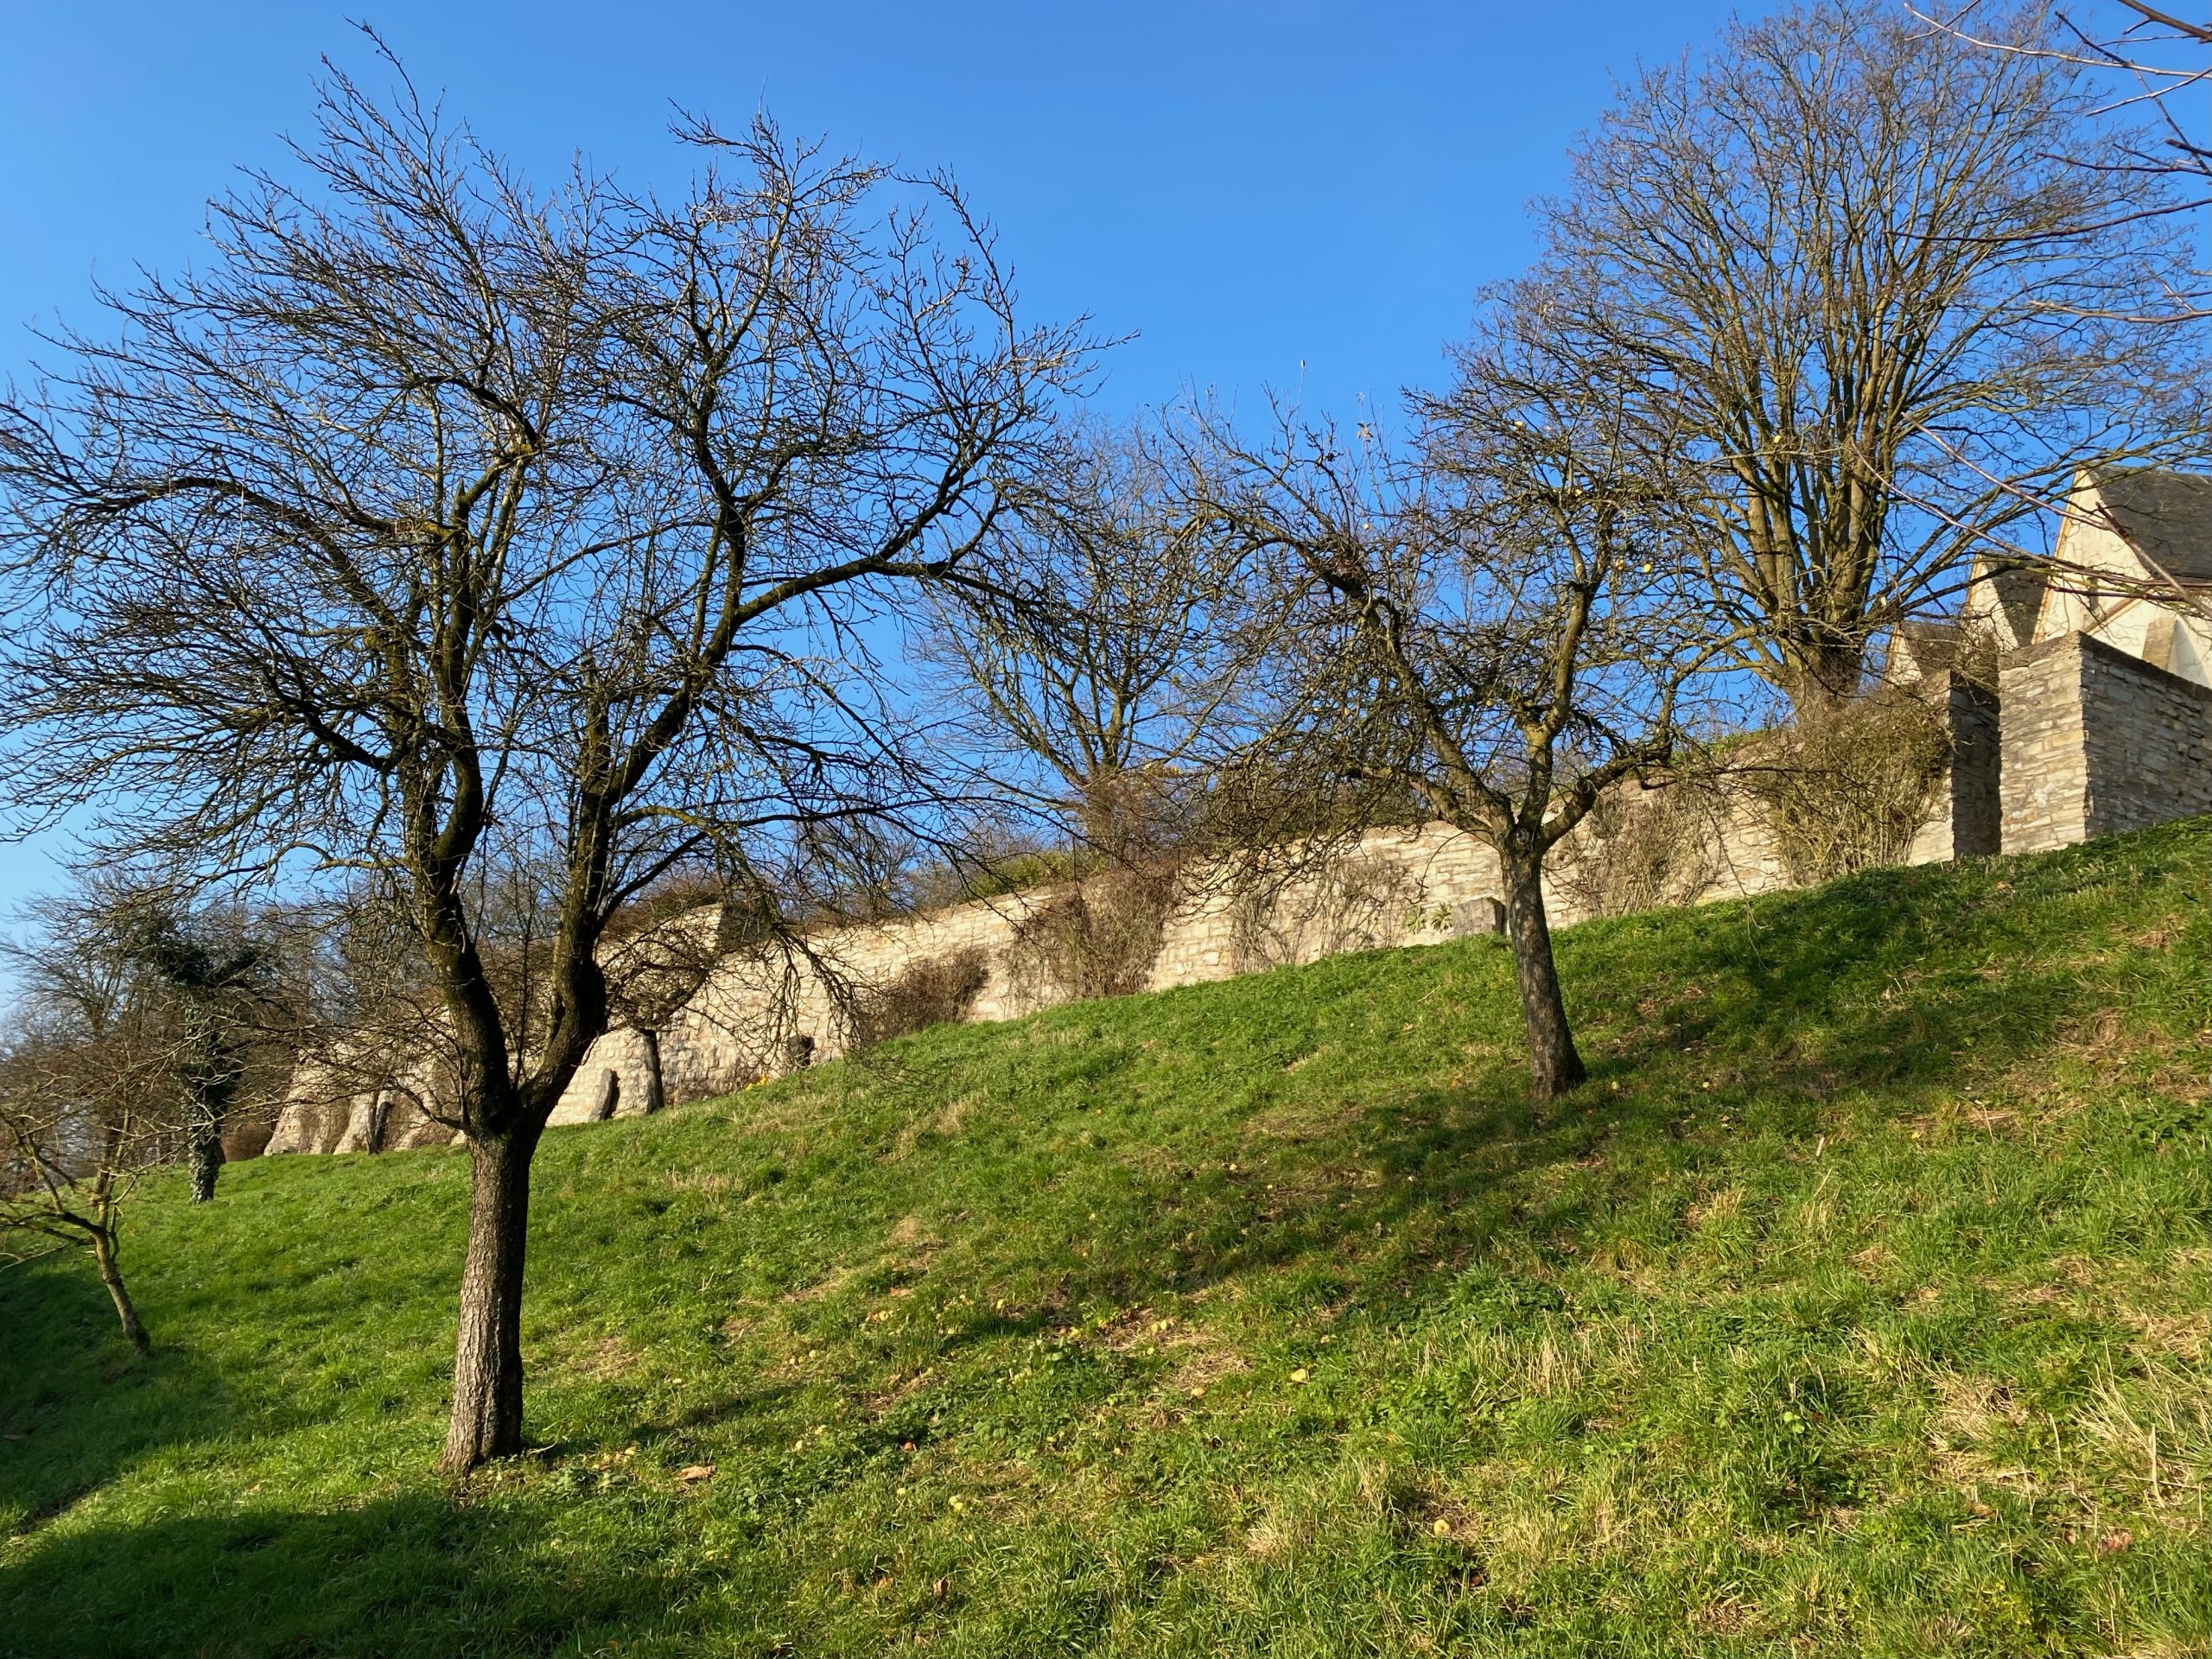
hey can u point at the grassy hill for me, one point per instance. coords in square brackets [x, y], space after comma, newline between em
[1861, 1304]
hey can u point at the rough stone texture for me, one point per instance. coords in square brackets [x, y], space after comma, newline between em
[349, 1108]
[1396, 886]
[733, 1030]
[1966, 818]
[2092, 741]
[2043, 779]
[616, 1080]
[2097, 743]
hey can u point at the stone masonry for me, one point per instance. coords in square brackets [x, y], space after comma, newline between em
[2091, 741]
[2097, 743]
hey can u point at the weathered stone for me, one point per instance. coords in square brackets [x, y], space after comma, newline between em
[2097, 743]
[2083, 739]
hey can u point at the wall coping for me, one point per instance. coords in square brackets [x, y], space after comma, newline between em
[2111, 655]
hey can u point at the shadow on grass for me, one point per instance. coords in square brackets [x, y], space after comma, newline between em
[1896, 987]
[413, 1575]
[77, 1404]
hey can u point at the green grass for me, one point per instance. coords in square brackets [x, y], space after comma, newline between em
[1859, 1305]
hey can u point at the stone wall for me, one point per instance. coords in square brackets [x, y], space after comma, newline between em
[1395, 887]
[352, 1104]
[736, 1029]
[2097, 743]
[1967, 818]
[1413, 885]
[2043, 778]
[1404, 885]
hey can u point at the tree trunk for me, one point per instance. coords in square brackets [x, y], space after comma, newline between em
[209, 1086]
[655, 1095]
[487, 1355]
[1817, 677]
[204, 1152]
[111, 1277]
[1553, 1065]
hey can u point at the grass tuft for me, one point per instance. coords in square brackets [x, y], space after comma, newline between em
[1858, 1305]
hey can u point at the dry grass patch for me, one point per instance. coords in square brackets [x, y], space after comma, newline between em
[1722, 1206]
[612, 1355]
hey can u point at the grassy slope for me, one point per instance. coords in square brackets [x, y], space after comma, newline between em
[1858, 1305]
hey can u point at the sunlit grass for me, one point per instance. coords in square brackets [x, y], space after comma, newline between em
[1861, 1304]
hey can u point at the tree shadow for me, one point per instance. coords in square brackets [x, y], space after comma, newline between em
[1897, 988]
[77, 1404]
[400, 1576]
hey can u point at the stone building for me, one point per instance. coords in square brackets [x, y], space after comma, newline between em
[2134, 569]
[2073, 703]
[2101, 661]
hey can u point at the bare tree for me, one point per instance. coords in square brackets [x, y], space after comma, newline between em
[88, 1095]
[1497, 629]
[1100, 657]
[215, 973]
[2147, 59]
[2145, 62]
[1865, 266]
[440, 523]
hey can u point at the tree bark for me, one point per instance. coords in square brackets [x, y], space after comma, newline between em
[656, 1094]
[1554, 1067]
[486, 1418]
[111, 1277]
[1818, 677]
[210, 1083]
[206, 1153]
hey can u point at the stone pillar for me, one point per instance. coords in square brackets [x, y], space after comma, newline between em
[2042, 780]
[1976, 780]
[1966, 816]
[2097, 743]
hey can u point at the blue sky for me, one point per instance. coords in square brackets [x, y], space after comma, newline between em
[1259, 191]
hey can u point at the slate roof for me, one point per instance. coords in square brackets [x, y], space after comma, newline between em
[2166, 516]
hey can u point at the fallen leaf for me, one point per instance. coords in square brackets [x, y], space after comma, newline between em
[1301, 1375]
[696, 1471]
[2113, 1542]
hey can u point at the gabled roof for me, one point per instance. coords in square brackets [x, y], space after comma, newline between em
[2017, 595]
[2166, 516]
[1921, 649]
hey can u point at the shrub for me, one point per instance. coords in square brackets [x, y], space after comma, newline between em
[1641, 848]
[1097, 937]
[1307, 909]
[1849, 785]
[932, 992]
